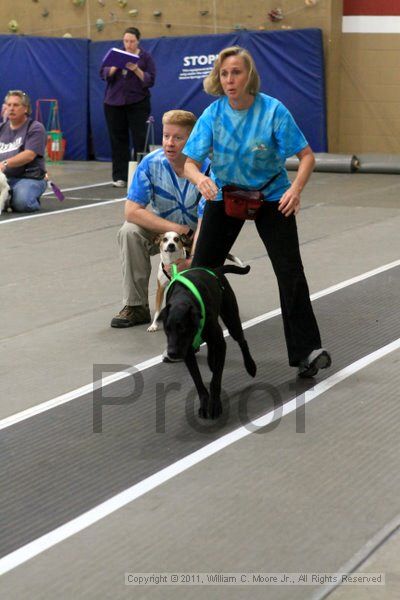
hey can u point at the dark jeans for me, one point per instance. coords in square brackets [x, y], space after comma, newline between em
[279, 235]
[122, 121]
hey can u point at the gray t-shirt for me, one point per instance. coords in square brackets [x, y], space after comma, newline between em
[30, 136]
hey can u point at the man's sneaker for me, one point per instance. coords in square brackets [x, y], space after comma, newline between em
[168, 359]
[318, 359]
[130, 316]
[119, 183]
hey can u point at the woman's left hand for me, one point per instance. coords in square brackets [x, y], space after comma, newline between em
[131, 66]
[290, 202]
[207, 188]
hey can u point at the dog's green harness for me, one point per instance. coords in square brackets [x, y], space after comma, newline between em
[197, 341]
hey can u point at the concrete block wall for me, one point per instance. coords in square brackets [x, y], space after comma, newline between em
[370, 78]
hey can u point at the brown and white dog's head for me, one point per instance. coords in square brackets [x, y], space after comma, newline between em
[173, 246]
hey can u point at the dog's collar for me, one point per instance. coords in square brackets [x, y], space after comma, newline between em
[167, 275]
[180, 277]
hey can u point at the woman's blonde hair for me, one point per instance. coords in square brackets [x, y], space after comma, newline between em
[184, 118]
[212, 83]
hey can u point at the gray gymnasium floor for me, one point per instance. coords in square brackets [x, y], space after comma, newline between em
[157, 491]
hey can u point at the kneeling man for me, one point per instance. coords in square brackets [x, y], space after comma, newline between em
[175, 205]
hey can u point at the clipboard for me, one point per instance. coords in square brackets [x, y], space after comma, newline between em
[118, 58]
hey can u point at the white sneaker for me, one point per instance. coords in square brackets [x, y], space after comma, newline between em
[119, 183]
[316, 360]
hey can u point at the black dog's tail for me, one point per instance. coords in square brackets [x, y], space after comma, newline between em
[234, 269]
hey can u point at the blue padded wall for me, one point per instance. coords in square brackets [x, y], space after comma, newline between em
[290, 64]
[51, 68]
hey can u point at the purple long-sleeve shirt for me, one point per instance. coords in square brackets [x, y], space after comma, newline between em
[124, 87]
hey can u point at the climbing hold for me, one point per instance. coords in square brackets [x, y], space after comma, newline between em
[13, 26]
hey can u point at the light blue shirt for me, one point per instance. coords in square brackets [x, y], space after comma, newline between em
[171, 197]
[248, 147]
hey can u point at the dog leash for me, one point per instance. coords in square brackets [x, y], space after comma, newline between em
[180, 277]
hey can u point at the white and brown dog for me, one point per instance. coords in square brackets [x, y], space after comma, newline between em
[5, 194]
[173, 248]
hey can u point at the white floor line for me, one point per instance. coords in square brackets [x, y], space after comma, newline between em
[327, 291]
[40, 215]
[83, 199]
[74, 394]
[86, 389]
[81, 187]
[36, 547]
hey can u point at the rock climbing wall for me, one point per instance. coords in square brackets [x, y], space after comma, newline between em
[106, 19]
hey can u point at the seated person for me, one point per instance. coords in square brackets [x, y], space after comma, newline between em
[4, 113]
[22, 149]
[158, 182]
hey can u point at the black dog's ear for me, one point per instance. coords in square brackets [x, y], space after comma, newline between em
[195, 315]
[187, 241]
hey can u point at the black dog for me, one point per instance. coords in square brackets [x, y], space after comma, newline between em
[184, 320]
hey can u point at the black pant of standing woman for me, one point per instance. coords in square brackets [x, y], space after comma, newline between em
[279, 235]
[122, 122]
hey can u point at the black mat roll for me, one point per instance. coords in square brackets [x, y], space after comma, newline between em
[328, 163]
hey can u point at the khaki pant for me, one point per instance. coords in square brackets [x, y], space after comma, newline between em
[136, 245]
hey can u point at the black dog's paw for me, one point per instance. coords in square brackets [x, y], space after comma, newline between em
[249, 363]
[212, 411]
[251, 366]
[215, 410]
[203, 412]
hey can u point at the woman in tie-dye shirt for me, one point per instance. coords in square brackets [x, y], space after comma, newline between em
[250, 136]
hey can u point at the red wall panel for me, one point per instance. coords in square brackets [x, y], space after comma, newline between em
[380, 8]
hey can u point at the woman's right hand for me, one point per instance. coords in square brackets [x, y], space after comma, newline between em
[207, 188]
[112, 71]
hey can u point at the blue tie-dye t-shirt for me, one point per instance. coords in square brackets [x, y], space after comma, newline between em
[248, 146]
[171, 197]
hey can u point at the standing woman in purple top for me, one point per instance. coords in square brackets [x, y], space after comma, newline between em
[127, 105]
